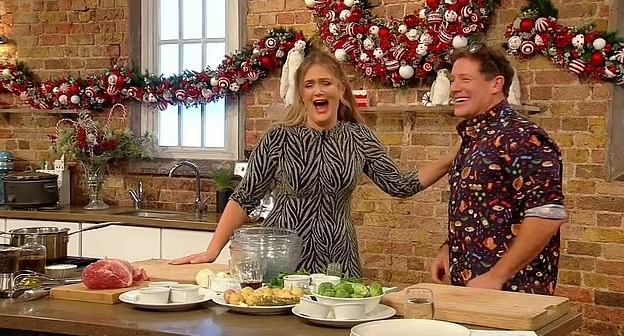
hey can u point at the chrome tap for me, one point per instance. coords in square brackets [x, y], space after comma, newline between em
[200, 206]
[137, 196]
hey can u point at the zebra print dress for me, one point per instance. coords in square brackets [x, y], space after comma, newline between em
[313, 174]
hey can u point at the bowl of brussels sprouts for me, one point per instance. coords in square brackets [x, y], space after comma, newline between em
[350, 292]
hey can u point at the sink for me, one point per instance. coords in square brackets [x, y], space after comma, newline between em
[151, 214]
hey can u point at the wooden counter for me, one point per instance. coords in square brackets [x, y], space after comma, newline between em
[115, 214]
[78, 318]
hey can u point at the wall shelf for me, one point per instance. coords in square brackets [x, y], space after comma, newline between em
[6, 112]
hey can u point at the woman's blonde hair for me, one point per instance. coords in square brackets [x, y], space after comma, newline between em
[347, 108]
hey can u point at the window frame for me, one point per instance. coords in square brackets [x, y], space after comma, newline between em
[234, 109]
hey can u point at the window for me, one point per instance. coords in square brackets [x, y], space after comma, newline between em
[178, 35]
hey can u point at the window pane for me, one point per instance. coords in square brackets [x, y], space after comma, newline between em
[192, 23]
[168, 127]
[168, 22]
[192, 57]
[191, 127]
[215, 124]
[215, 53]
[215, 19]
[169, 60]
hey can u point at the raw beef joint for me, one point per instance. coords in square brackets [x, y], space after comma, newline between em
[111, 273]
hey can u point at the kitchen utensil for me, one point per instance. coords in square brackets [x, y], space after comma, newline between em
[30, 294]
[488, 308]
[54, 239]
[30, 189]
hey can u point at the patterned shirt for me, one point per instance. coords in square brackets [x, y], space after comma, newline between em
[507, 169]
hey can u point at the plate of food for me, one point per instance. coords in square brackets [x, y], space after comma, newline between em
[261, 301]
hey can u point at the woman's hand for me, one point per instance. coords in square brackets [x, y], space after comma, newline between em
[197, 258]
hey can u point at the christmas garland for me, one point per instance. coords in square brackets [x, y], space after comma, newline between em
[582, 50]
[236, 73]
[400, 52]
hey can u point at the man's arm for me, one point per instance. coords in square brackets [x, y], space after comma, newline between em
[534, 235]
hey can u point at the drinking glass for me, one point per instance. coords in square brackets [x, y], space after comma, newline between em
[250, 273]
[419, 304]
[334, 269]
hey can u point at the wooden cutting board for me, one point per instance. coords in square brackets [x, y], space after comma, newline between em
[488, 308]
[160, 270]
[79, 292]
[156, 269]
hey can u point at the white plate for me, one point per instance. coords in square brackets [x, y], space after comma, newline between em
[253, 310]
[132, 296]
[412, 327]
[379, 313]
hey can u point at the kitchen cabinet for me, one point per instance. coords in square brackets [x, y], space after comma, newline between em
[73, 246]
[178, 243]
[123, 242]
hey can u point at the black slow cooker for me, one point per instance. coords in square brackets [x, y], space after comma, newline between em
[30, 189]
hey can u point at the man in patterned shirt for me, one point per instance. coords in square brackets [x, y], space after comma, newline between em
[506, 203]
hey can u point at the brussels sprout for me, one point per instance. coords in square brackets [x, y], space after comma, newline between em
[341, 293]
[328, 292]
[345, 286]
[361, 289]
[356, 296]
[324, 286]
[375, 289]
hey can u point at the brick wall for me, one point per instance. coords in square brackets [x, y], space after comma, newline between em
[398, 238]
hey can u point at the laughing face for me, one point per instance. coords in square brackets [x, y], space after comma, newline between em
[321, 96]
[471, 91]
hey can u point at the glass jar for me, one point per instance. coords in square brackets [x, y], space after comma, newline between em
[32, 255]
[9, 257]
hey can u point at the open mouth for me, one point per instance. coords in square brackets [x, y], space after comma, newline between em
[321, 105]
[460, 100]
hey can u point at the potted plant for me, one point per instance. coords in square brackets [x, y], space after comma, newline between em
[223, 178]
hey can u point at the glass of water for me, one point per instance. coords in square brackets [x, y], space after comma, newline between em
[419, 304]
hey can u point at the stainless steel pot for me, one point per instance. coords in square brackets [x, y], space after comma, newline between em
[30, 189]
[55, 239]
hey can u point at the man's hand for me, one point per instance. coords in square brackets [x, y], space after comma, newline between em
[197, 258]
[440, 269]
[487, 281]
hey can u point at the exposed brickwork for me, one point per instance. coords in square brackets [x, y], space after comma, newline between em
[398, 238]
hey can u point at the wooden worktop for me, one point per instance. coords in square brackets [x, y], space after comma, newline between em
[114, 214]
[81, 318]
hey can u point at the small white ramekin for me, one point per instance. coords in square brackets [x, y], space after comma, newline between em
[313, 309]
[349, 311]
[157, 295]
[184, 293]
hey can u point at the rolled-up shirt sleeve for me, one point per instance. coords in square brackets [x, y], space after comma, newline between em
[536, 170]
[260, 172]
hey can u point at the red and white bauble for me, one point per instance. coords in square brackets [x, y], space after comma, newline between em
[214, 81]
[112, 90]
[427, 66]
[527, 47]
[368, 71]
[577, 66]
[609, 73]
[330, 15]
[180, 94]
[63, 99]
[445, 36]
[90, 92]
[224, 82]
[392, 65]
[406, 71]
[399, 53]
[450, 15]
[434, 19]
[344, 14]
[252, 75]
[466, 11]
[270, 43]
[541, 24]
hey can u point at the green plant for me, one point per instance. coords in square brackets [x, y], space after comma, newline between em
[223, 178]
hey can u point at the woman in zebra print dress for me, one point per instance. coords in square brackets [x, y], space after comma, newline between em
[313, 161]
